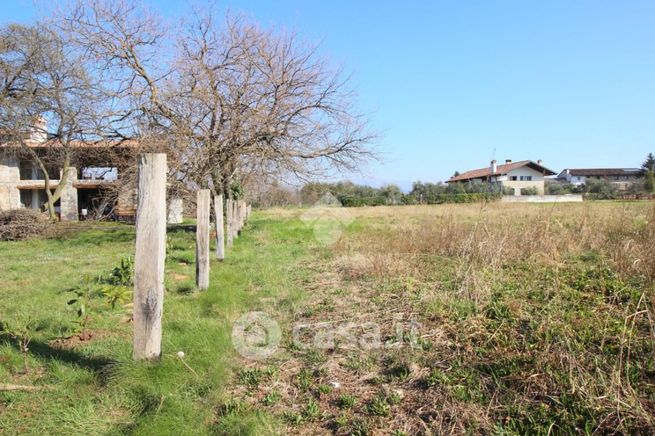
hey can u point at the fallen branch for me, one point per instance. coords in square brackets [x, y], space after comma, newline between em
[10, 387]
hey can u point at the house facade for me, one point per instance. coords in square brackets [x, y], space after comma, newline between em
[513, 175]
[622, 178]
[86, 189]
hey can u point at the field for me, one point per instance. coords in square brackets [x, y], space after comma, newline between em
[480, 318]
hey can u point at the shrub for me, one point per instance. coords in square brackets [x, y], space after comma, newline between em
[18, 224]
[530, 190]
[600, 190]
[557, 188]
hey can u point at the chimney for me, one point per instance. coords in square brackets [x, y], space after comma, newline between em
[539, 162]
[494, 167]
[39, 130]
[508, 161]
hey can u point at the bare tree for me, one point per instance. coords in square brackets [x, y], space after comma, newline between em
[48, 100]
[231, 99]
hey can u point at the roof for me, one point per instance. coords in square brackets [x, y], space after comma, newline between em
[500, 170]
[74, 144]
[604, 172]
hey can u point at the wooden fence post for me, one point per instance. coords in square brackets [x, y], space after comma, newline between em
[150, 256]
[230, 222]
[202, 239]
[235, 219]
[220, 235]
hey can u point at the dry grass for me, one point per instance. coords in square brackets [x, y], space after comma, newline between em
[533, 319]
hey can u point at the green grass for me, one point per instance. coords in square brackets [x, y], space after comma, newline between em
[94, 387]
[522, 330]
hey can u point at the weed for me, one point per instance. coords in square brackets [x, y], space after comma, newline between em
[379, 406]
[255, 376]
[304, 380]
[312, 411]
[272, 398]
[347, 401]
[324, 389]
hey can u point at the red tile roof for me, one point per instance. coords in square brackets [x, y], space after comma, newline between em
[500, 170]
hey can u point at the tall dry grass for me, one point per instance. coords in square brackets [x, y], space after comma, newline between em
[579, 276]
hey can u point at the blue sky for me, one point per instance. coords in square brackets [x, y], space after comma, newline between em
[451, 84]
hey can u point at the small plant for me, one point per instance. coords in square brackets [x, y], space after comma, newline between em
[233, 405]
[436, 377]
[347, 401]
[21, 331]
[272, 398]
[341, 420]
[358, 363]
[84, 293]
[292, 417]
[379, 406]
[324, 389]
[123, 274]
[312, 411]
[117, 288]
[117, 295]
[394, 398]
[304, 380]
[253, 377]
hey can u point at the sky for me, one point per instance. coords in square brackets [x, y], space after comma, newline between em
[449, 85]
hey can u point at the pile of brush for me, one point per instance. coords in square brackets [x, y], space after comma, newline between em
[18, 224]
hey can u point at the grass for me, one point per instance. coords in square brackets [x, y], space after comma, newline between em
[93, 386]
[506, 319]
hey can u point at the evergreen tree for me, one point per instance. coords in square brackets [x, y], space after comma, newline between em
[649, 163]
[649, 181]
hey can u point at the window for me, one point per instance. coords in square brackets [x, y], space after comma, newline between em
[513, 178]
[526, 178]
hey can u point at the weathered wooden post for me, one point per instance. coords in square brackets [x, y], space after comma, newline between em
[235, 219]
[150, 256]
[220, 236]
[238, 218]
[202, 239]
[230, 222]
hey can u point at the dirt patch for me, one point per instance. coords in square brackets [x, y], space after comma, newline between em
[179, 277]
[79, 339]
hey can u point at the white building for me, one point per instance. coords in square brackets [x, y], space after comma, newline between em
[622, 178]
[515, 175]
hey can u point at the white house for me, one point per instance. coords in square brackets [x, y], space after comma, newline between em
[515, 175]
[622, 178]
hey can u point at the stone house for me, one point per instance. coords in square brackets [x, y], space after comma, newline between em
[87, 188]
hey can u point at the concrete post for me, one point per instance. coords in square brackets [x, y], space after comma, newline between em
[9, 178]
[175, 209]
[68, 200]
